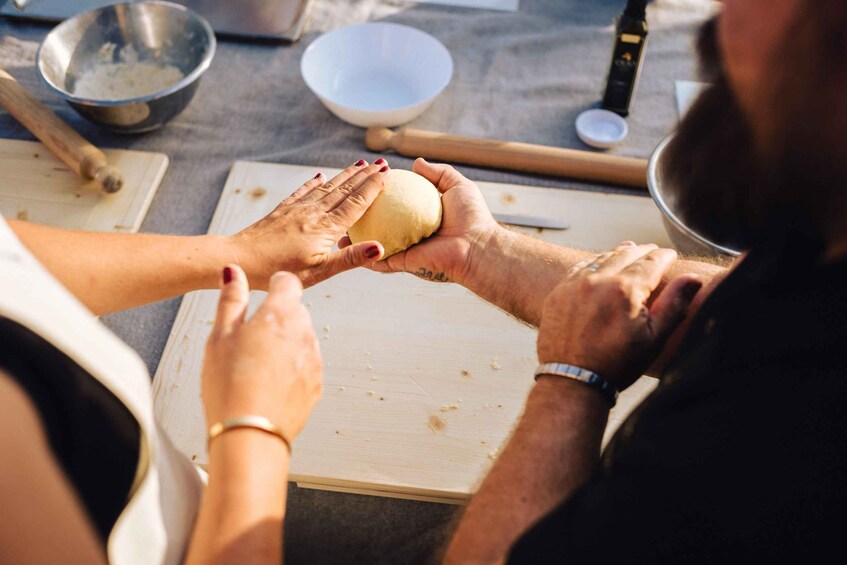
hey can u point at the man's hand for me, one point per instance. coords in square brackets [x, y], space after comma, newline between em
[605, 316]
[300, 234]
[466, 226]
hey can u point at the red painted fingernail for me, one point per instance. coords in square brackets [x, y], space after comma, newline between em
[359, 163]
[384, 169]
[371, 251]
[379, 161]
[227, 275]
[319, 175]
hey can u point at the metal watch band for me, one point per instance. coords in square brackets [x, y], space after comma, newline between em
[585, 376]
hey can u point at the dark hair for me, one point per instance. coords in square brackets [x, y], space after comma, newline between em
[710, 165]
[794, 175]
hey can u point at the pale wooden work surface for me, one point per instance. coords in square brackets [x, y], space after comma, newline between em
[399, 416]
[37, 186]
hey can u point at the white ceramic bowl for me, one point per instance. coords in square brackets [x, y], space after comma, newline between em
[376, 74]
[601, 128]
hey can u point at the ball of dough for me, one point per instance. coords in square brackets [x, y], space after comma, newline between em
[408, 210]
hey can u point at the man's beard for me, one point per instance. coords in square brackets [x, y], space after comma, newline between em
[711, 165]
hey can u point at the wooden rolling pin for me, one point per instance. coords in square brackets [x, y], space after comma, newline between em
[77, 153]
[540, 159]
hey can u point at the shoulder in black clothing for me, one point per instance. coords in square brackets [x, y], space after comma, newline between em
[739, 455]
[93, 436]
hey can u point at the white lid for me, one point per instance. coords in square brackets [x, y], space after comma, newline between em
[601, 128]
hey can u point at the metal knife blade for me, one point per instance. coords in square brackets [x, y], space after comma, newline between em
[532, 221]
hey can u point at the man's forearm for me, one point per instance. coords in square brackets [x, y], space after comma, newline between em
[516, 272]
[110, 272]
[551, 453]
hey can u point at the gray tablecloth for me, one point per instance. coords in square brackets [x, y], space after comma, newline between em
[519, 76]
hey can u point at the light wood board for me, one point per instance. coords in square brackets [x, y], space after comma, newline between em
[423, 381]
[36, 186]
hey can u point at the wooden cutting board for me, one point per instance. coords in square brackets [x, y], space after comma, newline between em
[423, 381]
[36, 186]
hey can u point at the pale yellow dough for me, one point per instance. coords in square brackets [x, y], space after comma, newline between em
[408, 210]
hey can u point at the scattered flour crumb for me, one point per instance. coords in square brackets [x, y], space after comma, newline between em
[465, 373]
[342, 388]
[370, 367]
[258, 192]
[448, 407]
[495, 364]
[371, 393]
[493, 454]
[436, 424]
[326, 328]
[482, 441]
[374, 378]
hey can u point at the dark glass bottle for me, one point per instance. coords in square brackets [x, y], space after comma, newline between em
[627, 58]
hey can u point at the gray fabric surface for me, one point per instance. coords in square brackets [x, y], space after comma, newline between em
[519, 76]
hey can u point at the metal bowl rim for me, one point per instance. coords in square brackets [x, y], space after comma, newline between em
[177, 86]
[652, 185]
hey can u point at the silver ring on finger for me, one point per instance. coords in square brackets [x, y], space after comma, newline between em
[577, 267]
[592, 267]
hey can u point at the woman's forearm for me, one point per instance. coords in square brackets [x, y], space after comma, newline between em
[241, 516]
[110, 272]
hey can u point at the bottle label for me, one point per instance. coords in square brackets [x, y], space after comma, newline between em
[627, 57]
[626, 63]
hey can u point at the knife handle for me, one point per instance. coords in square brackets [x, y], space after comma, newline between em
[511, 155]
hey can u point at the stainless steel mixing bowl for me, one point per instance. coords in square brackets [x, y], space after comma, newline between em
[159, 32]
[685, 239]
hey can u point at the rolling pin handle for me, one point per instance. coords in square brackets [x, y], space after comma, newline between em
[95, 167]
[110, 179]
[69, 146]
[379, 139]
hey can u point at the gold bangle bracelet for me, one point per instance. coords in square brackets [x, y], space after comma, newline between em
[254, 422]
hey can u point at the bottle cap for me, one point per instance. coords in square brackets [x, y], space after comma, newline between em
[636, 9]
[601, 128]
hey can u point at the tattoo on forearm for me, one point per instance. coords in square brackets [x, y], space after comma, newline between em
[430, 276]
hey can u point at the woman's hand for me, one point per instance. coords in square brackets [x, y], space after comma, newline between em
[268, 365]
[300, 234]
[466, 226]
[602, 317]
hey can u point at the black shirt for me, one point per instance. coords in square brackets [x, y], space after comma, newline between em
[93, 436]
[740, 453]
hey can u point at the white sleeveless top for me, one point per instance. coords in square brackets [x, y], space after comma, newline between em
[157, 520]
